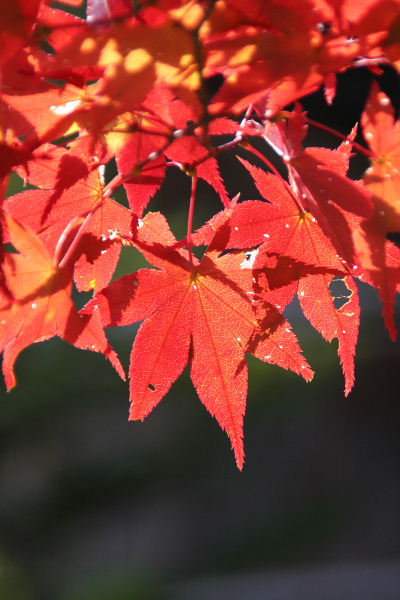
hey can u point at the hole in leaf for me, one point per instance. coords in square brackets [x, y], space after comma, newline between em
[394, 236]
[199, 251]
[78, 11]
[152, 387]
[339, 292]
[62, 141]
[213, 84]
[46, 47]
[10, 249]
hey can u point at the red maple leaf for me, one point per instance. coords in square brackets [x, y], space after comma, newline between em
[208, 313]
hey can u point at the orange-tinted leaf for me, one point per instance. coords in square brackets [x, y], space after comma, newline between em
[77, 197]
[130, 68]
[42, 306]
[274, 49]
[47, 114]
[382, 179]
[379, 257]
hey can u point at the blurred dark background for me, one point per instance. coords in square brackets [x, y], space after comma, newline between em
[93, 507]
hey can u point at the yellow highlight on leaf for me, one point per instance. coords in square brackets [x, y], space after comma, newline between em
[50, 315]
[186, 60]
[88, 45]
[110, 54]
[137, 60]
[190, 14]
[243, 56]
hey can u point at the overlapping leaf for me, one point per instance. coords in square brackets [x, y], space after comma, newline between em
[75, 199]
[42, 306]
[283, 227]
[279, 51]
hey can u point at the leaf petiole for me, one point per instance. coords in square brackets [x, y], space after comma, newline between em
[192, 205]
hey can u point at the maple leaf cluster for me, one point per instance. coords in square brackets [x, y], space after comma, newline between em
[128, 85]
